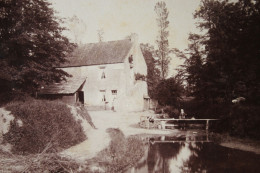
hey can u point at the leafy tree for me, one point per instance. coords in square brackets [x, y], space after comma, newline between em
[227, 67]
[192, 69]
[31, 43]
[162, 39]
[168, 92]
[153, 73]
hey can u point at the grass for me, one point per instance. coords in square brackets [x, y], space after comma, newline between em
[121, 153]
[117, 157]
[38, 163]
[43, 122]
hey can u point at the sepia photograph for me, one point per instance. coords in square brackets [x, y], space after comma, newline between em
[129, 86]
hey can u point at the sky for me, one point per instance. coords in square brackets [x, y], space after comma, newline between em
[120, 18]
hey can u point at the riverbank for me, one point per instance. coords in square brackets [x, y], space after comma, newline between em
[244, 144]
[96, 149]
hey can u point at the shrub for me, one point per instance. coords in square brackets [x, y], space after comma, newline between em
[139, 76]
[121, 152]
[170, 110]
[244, 121]
[44, 122]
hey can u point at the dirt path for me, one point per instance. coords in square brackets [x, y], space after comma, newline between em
[98, 139]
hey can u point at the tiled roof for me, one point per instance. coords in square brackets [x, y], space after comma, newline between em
[65, 87]
[100, 53]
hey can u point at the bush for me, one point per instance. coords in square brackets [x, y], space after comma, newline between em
[170, 110]
[241, 120]
[44, 122]
[121, 152]
[13, 95]
[139, 76]
[244, 121]
[201, 109]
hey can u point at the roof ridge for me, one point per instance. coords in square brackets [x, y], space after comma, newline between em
[107, 41]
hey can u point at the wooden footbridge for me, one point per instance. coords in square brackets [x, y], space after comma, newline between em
[164, 122]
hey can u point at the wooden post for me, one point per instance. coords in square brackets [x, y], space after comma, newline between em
[207, 125]
[163, 124]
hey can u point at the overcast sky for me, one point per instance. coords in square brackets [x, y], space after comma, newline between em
[119, 18]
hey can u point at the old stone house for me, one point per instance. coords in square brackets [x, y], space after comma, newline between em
[103, 75]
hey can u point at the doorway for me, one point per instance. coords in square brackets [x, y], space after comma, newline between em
[81, 96]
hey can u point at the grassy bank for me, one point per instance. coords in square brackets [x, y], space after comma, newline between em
[44, 123]
[121, 153]
[245, 144]
[118, 156]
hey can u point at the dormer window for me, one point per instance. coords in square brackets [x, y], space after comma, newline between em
[103, 76]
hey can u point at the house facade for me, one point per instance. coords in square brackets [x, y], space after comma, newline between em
[109, 70]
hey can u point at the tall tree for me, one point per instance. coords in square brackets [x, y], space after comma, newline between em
[229, 66]
[162, 38]
[153, 73]
[31, 43]
[231, 44]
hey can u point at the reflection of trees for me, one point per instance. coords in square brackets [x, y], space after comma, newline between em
[159, 155]
[152, 157]
[169, 150]
[206, 156]
[215, 158]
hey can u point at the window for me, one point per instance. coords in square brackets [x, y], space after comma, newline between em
[104, 98]
[103, 76]
[114, 92]
[103, 95]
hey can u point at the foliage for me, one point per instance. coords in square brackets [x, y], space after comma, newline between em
[153, 73]
[169, 92]
[223, 63]
[162, 39]
[121, 152]
[169, 110]
[9, 96]
[139, 76]
[244, 121]
[31, 43]
[38, 163]
[239, 120]
[43, 122]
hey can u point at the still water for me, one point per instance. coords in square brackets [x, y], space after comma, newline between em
[193, 154]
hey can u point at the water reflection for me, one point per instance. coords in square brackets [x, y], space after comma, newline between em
[185, 154]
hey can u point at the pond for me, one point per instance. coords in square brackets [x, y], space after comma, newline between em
[193, 154]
